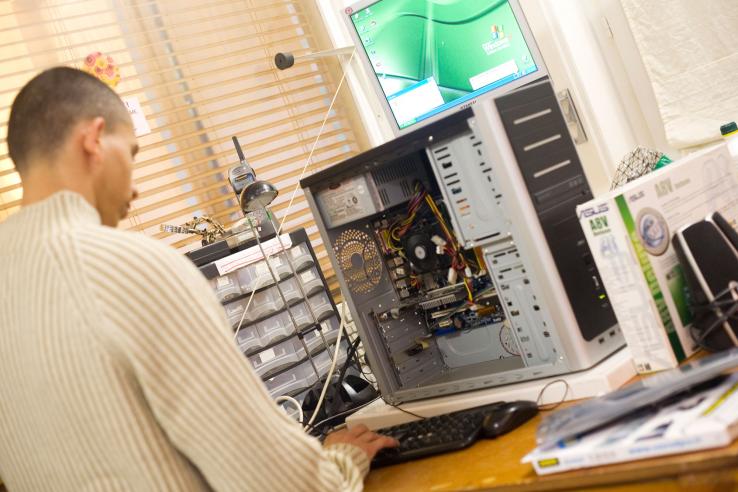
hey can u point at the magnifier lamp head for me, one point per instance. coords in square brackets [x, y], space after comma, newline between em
[257, 195]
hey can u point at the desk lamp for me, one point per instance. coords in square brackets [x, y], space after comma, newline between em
[256, 195]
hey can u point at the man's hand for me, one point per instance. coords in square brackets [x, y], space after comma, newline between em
[361, 437]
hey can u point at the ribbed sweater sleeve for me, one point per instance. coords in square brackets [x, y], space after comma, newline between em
[162, 318]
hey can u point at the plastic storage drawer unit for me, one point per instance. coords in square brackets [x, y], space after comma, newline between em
[301, 257]
[314, 341]
[274, 344]
[226, 287]
[253, 277]
[265, 303]
[302, 316]
[280, 266]
[330, 329]
[275, 327]
[248, 339]
[322, 307]
[234, 312]
[290, 290]
[329, 332]
[311, 281]
[323, 360]
[277, 357]
[292, 381]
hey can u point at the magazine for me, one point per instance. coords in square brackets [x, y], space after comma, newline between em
[702, 420]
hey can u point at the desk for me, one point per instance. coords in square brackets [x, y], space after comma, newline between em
[495, 464]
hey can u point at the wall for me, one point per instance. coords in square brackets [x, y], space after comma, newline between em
[618, 48]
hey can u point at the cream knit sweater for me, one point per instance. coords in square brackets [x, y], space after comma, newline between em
[118, 371]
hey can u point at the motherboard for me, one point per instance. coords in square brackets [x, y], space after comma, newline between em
[432, 274]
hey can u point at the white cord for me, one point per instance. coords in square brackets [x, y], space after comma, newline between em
[296, 403]
[281, 224]
[333, 365]
[297, 185]
[243, 316]
[315, 144]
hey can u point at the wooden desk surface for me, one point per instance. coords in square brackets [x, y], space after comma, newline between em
[495, 464]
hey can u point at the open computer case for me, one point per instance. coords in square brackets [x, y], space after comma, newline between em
[459, 253]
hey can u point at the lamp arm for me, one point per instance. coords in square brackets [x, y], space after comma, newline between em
[285, 60]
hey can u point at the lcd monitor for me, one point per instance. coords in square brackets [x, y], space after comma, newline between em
[431, 57]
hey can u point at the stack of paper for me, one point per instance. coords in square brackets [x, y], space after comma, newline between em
[702, 420]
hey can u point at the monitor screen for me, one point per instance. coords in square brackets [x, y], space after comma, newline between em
[431, 56]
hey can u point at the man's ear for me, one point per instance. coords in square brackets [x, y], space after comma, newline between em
[91, 139]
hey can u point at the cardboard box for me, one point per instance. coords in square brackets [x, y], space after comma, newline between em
[629, 231]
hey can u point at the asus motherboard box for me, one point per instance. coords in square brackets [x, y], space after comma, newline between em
[629, 232]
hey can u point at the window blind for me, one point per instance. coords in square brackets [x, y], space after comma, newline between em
[202, 72]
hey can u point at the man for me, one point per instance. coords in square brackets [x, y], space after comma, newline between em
[117, 367]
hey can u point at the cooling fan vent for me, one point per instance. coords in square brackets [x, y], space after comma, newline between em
[360, 260]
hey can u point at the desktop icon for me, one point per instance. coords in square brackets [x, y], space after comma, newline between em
[497, 32]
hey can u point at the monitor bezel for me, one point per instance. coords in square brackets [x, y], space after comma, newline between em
[362, 55]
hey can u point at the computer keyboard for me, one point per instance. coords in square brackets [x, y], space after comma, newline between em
[434, 435]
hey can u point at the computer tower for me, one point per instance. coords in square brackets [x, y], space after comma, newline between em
[459, 253]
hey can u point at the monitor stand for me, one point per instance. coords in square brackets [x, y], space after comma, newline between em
[606, 376]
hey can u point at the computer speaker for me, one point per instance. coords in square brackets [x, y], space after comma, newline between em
[708, 253]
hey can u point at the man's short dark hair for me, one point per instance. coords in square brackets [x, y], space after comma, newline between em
[50, 105]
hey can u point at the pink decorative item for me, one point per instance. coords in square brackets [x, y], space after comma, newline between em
[103, 67]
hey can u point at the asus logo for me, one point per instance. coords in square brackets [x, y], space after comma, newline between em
[589, 212]
[636, 196]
